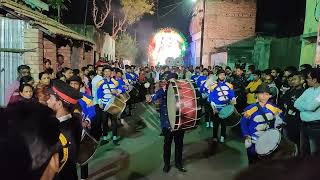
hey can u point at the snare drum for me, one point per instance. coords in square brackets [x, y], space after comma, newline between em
[115, 106]
[182, 105]
[270, 145]
[230, 116]
[124, 97]
[88, 147]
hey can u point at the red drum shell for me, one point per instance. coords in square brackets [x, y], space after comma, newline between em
[182, 105]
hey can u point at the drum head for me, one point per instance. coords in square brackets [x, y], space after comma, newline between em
[171, 104]
[226, 111]
[268, 142]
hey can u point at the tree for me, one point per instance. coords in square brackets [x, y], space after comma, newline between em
[99, 22]
[59, 6]
[126, 47]
[132, 11]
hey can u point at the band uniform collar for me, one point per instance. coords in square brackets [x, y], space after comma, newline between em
[65, 117]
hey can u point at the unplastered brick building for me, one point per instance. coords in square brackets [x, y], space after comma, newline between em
[226, 22]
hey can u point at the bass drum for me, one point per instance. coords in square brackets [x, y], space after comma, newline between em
[272, 146]
[88, 147]
[182, 105]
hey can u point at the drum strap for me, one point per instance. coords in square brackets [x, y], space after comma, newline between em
[263, 114]
[109, 86]
[222, 91]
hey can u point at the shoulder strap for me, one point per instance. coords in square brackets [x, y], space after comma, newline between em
[222, 91]
[263, 113]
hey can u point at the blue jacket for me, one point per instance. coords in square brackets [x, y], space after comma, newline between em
[253, 124]
[104, 92]
[88, 110]
[123, 83]
[195, 77]
[218, 99]
[164, 119]
[200, 81]
[130, 77]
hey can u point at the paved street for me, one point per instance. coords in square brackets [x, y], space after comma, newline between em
[140, 154]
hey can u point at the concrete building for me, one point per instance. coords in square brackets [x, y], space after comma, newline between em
[309, 37]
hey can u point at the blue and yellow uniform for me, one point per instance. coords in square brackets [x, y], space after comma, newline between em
[200, 81]
[253, 124]
[123, 83]
[88, 110]
[221, 93]
[104, 92]
[164, 119]
[130, 77]
[195, 77]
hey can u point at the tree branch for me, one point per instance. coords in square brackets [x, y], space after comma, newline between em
[103, 16]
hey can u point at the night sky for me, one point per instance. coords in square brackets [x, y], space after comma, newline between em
[280, 18]
[274, 17]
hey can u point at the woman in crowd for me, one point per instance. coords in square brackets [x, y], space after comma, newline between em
[16, 94]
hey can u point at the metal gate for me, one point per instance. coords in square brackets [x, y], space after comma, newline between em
[11, 37]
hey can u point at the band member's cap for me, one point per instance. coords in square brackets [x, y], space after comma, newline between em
[75, 78]
[263, 88]
[65, 92]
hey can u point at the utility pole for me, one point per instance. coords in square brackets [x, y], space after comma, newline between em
[202, 30]
[85, 19]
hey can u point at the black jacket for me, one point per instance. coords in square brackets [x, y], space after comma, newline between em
[71, 129]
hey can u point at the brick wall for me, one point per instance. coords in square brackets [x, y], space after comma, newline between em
[226, 22]
[50, 51]
[65, 51]
[89, 56]
[33, 39]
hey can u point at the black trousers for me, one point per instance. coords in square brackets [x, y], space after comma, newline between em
[216, 123]
[178, 141]
[311, 138]
[96, 126]
[208, 111]
[84, 171]
[293, 128]
[106, 118]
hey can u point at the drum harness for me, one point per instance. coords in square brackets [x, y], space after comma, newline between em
[263, 113]
[225, 97]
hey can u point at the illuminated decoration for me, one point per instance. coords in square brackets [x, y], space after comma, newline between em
[166, 44]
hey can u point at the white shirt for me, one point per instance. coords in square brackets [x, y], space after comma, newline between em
[94, 82]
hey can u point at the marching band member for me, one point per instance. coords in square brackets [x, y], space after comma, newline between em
[108, 88]
[204, 97]
[87, 110]
[86, 102]
[124, 83]
[221, 94]
[96, 125]
[254, 123]
[168, 134]
[196, 74]
[63, 99]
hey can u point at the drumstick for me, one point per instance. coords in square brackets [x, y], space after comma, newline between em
[124, 123]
